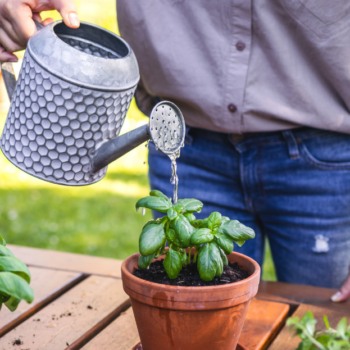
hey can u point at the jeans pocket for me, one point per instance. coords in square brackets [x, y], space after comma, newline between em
[330, 151]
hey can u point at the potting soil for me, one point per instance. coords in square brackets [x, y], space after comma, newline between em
[189, 275]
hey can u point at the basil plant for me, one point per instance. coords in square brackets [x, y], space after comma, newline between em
[14, 279]
[212, 238]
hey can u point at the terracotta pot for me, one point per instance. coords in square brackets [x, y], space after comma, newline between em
[190, 318]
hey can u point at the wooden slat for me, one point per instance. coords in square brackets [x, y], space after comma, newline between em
[301, 294]
[122, 334]
[47, 285]
[70, 316]
[286, 340]
[263, 321]
[68, 261]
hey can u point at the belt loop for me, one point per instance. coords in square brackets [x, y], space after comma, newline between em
[293, 149]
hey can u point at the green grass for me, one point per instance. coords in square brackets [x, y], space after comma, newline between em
[97, 220]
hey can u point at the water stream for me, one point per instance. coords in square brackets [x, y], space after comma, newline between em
[174, 180]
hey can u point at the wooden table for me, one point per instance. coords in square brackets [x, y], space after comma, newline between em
[80, 304]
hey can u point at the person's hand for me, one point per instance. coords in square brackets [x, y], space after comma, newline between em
[17, 25]
[344, 293]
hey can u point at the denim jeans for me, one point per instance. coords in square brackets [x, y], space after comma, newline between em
[292, 187]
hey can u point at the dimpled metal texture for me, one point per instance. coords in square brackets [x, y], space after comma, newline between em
[54, 128]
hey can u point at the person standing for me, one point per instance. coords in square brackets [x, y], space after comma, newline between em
[263, 86]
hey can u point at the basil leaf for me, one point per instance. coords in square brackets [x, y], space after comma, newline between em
[155, 193]
[172, 214]
[184, 230]
[173, 263]
[145, 261]
[12, 303]
[178, 208]
[14, 265]
[5, 251]
[173, 238]
[2, 241]
[214, 220]
[15, 286]
[238, 232]
[224, 219]
[190, 217]
[152, 222]
[190, 205]
[224, 243]
[220, 268]
[208, 261]
[201, 236]
[223, 257]
[156, 203]
[204, 223]
[151, 239]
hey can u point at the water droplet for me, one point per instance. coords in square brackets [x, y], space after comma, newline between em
[143, 211]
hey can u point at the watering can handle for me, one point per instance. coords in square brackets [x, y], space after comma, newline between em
[8, 72]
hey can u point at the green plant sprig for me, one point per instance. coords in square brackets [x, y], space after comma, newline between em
[212, 237]
[328, 339]
[14, 279]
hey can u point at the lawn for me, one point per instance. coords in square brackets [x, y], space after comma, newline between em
[99, 219]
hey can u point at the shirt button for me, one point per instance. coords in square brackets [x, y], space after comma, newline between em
[232, 108]
[240, 45]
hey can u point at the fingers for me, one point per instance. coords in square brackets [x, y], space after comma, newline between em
[68, 11]
[8, 43]
[344, 293]
[6, 56]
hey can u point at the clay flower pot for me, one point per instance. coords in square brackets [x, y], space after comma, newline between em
[190, 318]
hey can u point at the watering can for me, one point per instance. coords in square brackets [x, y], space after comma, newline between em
[69, 104]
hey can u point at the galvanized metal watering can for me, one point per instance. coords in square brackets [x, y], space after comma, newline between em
[69, 104]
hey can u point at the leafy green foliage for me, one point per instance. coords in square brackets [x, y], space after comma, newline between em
[328, 339]
[211, 237]
[14, 279]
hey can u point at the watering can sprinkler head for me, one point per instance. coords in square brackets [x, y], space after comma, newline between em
[70, 101]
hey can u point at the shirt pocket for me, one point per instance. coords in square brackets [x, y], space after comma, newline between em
[323, 17]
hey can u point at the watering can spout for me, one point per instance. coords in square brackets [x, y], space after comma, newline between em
[117, 147]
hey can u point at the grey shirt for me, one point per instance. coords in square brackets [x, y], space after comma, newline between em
[244, 65]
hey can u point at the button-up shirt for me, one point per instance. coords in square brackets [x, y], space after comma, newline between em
[238, 66]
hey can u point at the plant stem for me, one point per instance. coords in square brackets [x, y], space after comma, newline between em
[195, 255]
[189, 255]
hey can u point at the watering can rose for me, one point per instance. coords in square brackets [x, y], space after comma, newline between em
[213, 238]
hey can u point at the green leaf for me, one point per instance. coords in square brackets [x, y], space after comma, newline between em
[220, 268]
[224, 219]
[173, 238]
[326, 322]
[342, 327]
[178, 208]
[184, 230]
[208, 261]
[155, 193]
[172, 214]
[190, 205]
[12, 303]
[224, 243]
[214, 220]
[155, 203]
[173, 263]
[14, 265]
[15, 286]
[238, 232]
[204, 223]
[5, 251]
[151, 239]
[190, 217]
[145, 261]
[223, 257]
[2, 241]
[201, 236]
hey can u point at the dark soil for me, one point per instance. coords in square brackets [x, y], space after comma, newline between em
[189, 275]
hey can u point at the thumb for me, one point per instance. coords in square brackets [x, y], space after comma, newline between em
[344, 293]
[68, 11]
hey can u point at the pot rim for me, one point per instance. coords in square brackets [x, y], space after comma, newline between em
[168, 287]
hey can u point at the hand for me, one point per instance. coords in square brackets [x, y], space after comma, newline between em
[17, 25]
[344, 293]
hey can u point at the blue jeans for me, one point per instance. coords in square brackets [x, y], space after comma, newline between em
[292, 187]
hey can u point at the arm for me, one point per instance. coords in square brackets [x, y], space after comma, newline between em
[17, 25]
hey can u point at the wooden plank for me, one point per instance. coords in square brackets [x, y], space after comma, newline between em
[286, 292]
[68, 261]
[122, 334]
[70, 316]
[286, 340]
[263, 321]
[47, 285]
